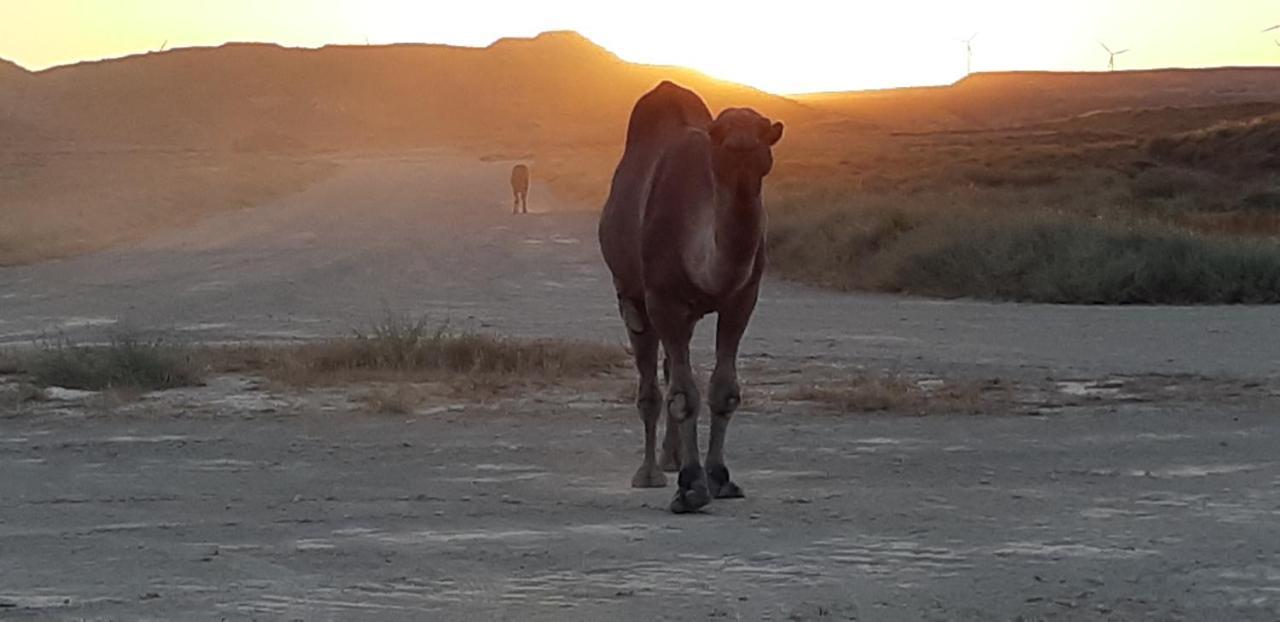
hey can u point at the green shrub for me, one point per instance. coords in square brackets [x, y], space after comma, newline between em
[1061, 261]
[1002, 256]
[126, 362]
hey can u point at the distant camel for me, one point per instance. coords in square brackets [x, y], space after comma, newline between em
[520, 188]
[683, 234]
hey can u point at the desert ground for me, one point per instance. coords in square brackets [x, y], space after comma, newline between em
[1127, 471]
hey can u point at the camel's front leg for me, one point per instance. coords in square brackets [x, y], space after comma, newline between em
[671, 443]
[675, 328]
[725, 392]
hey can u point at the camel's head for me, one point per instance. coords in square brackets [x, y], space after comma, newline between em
[742, 142]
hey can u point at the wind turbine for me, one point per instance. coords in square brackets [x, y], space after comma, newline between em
[968, 53]
[1276, 27]
[163, 46]
[1111, 61]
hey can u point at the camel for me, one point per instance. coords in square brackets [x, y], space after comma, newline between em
[683, 233]
[520, 188]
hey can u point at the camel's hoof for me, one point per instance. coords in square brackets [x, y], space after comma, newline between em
[693, 494]
[649, 476]
[689, 501]
[720, 485]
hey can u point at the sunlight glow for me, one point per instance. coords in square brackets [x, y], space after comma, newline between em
[794, 46]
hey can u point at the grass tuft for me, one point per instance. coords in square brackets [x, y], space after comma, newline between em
[126, 362]
[401, 348]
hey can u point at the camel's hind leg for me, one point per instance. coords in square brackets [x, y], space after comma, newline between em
[644, 345]
[725, 393]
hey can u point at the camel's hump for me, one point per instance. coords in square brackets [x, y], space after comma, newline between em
[667, 105]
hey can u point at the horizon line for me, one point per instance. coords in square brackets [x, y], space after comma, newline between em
[273, 44]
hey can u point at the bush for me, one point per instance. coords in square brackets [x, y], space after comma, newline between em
[994, 256]
[1059, 261]
[126, 362]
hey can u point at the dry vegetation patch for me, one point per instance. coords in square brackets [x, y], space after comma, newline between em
[950, 248]
[13, 395]
[127, 363]
[871, 392]
[405, 360]
[1235, 146]
[406, 350]
[397, 399]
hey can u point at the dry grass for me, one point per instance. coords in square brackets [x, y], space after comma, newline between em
[20, 393]
[983, 245]
[414, 350]
[394, 350]
[1235, 146]
[128, 363]
[397, 399]
[875, 392]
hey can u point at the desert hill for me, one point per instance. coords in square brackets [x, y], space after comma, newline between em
[556, 84]
[556, 88]
[10, 72]
[1014, 98]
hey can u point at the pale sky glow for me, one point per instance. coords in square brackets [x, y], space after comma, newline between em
[785, 47]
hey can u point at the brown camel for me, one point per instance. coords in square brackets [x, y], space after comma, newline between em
[520, 188]
[683, 234]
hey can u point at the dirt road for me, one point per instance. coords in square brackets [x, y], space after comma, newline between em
[432, 233]
[234, 501]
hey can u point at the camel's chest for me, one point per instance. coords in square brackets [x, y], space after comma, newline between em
[716, 269]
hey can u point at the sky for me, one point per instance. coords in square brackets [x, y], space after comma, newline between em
[790, 46]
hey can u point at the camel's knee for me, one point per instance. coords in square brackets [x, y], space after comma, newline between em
[649, 400]
[632, 316]
[682, 404]
[725, 396]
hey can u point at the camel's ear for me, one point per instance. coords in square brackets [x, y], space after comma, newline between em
[774, 134]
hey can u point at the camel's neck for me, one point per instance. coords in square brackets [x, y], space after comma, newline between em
[739, 227]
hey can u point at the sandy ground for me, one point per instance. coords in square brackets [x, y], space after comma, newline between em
[237, 501]
[61, 202]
